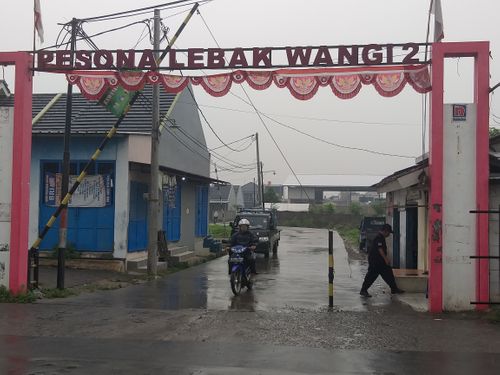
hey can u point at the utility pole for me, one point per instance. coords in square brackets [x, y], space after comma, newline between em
[63, 224]
[259, 176]
[254, 201]
[153, 197]
[262, 186]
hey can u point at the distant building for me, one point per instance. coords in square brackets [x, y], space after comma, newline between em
[225, 200]
[251, 195]
[311, 188]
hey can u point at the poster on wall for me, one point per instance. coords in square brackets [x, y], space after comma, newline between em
[94, 191]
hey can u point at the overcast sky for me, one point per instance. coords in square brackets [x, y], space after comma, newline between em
[391, 125]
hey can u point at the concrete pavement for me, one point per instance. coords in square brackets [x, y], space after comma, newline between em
[189, 323]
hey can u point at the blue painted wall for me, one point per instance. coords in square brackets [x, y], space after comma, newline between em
[89, 229]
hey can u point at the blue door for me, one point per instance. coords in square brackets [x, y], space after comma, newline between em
[395, 239]
[172, 216]
[412, 238]
[201, 211]
[89, 228]
[138, 217]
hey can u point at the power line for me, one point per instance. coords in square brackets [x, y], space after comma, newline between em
[195, 141]
[260, 117]
[235, 165]
[341, 122]
[206, 120]
[233, 142]
[328, 142]
[138, 11]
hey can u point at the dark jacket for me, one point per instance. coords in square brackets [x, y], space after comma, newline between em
[244, 239]
[374, 255]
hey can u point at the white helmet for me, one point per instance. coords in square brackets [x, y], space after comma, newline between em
[244, 222]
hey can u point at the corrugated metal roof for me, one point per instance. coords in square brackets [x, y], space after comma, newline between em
[332, 180]
[89, 117]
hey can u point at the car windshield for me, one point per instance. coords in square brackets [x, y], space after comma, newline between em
[257, 221]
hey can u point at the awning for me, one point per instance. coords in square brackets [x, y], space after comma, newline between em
[303, 84]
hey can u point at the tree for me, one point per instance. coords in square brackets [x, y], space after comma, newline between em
[378, 207]
[494, 132]
[270, 196]
[355, 208]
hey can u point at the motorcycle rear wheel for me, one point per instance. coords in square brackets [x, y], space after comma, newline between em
[236, 282]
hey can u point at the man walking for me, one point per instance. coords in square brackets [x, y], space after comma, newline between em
[378, 264]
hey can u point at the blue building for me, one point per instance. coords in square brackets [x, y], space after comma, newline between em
[108, 214]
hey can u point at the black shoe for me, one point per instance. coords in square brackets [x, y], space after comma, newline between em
[397, 291]
[365, 293]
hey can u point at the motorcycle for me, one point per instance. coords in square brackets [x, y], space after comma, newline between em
[241, 275]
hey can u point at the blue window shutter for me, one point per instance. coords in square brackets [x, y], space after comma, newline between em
[201, 211]
[172, 217]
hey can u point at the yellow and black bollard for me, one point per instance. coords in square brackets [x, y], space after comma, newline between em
[330, 268]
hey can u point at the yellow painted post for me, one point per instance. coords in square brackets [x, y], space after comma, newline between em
[330, 268]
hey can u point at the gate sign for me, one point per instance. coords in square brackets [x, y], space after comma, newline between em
[235, 58]
[459, 112]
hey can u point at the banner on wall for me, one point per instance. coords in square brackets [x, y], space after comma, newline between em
[94, 191]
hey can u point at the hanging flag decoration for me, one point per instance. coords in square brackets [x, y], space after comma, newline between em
[303, 84]
[116, 100]
[438, 20]
[38, 20]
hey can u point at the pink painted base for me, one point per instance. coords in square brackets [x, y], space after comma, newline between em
[20, 168]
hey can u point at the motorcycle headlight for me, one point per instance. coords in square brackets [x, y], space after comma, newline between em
[263, 239]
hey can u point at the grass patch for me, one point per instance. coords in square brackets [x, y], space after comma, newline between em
[349, 235]
[57, 293]
[6, 296]
[219, 230]
[494, 316]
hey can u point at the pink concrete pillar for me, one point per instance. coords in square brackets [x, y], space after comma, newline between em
[480, 52]
[20, 168]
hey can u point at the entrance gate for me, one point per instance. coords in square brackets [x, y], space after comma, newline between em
[352, 67]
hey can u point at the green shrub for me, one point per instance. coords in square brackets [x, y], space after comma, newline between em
[6, 296]
[355, 208]
[219, 230]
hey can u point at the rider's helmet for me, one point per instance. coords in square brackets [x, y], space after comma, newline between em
[244, 222]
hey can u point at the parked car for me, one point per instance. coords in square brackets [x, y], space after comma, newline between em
[368, 229]
[264, 224]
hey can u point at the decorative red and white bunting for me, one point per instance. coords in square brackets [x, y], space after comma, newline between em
[303, 84]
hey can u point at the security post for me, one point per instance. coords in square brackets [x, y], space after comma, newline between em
[330, 268]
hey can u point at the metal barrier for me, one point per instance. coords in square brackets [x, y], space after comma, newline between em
[330, 268]
[489, 257]
[33, 269]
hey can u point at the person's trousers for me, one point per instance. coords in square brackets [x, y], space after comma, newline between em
[374, 270]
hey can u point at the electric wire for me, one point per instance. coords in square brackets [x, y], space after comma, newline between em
[138, 11]
[260, 117]
[91, 43]
[325, 141]
[340, 122]
[145, 102]
[233, 142]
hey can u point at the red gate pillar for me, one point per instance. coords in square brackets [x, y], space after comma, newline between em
[480, 52]
[21, 160]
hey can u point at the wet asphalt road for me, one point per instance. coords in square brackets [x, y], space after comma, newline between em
[190, 323]
[296, 278]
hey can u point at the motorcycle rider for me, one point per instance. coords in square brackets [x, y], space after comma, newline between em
[243, 237]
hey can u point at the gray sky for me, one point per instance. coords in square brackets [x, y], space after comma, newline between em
[264, 23]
